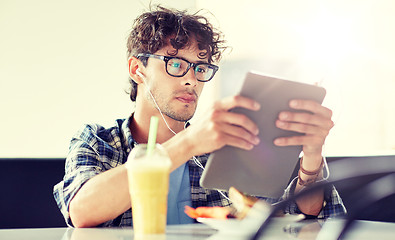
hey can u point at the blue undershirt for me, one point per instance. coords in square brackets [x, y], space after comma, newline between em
[179, 196]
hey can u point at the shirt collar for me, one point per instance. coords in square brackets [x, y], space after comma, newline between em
[127, 139]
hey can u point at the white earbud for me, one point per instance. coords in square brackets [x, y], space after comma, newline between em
[140, 74]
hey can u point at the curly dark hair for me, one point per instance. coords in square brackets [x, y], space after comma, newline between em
[157, 28]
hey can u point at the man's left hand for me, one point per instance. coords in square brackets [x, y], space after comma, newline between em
[315, 124]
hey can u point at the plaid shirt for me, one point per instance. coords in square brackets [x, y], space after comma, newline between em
[95, 149]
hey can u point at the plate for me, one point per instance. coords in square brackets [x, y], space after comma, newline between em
[247, 225]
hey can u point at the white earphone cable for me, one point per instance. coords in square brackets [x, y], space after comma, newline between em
[195, 160]
[167, 125]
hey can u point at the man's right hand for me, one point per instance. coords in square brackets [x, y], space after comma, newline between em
[219, 127]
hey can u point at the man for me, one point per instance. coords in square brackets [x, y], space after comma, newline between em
[171, 56]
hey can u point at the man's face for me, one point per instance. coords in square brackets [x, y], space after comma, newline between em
[176, 97]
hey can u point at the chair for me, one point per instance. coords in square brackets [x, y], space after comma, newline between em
[346, 188]
[366, 179]
[26, 199]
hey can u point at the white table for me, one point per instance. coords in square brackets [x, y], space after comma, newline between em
[305, 230]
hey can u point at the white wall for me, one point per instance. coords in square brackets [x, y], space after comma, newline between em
[347, 45]
[63, 63]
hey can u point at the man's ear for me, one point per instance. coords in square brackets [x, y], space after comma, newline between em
[134, 64]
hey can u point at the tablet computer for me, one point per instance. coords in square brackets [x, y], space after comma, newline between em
[266, 169]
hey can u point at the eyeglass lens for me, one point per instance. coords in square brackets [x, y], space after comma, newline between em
[178, 67]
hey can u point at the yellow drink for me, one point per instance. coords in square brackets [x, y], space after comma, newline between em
[148, 186]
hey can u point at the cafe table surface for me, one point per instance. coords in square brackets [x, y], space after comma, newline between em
[307, 229]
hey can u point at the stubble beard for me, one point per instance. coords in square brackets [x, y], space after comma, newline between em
[168, 110]
[181, 117]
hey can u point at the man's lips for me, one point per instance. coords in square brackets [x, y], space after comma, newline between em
[186, 98]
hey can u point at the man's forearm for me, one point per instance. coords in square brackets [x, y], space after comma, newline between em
[102, 198]
[312, 203]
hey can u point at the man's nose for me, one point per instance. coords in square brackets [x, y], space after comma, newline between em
[190, 78]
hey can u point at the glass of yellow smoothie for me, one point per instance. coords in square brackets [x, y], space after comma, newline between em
[148, 176]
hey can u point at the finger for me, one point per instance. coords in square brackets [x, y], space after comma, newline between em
[302, 128]
[237, 142]
[239, 132]
[237, 101]
[237, 119]
[231, 135]
[311, 106]
[311, 140]
[306, 118]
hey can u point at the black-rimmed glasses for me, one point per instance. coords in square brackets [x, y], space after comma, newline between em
[178, 67]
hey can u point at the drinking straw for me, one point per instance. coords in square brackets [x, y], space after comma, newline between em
[153, 128]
